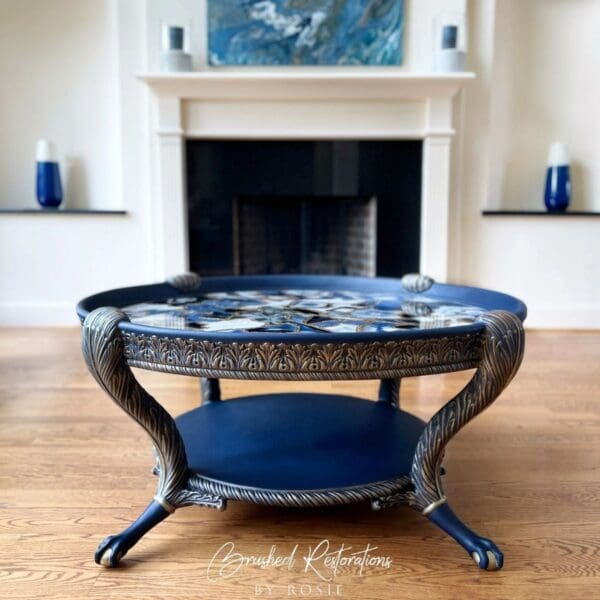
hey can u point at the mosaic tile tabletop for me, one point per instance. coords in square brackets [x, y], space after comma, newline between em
[296, 311]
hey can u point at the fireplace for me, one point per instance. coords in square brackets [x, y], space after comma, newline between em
[294, 206]
[410, 117]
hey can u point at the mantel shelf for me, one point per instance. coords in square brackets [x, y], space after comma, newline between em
[306, 83]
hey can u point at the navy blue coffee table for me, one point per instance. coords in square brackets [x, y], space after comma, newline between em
[301, 449]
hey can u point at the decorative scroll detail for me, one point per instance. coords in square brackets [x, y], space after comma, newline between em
[399, 498]
[268, 360]
[404, 497]
[186, 282]
[416, 283]
[102, 346]
[189, 497]
[503, 347]
[299, 498]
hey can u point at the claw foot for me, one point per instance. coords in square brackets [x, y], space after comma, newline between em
[483, 551]
[486, 554]
[110, 551]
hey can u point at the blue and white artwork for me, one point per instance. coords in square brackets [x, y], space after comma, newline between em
[305, 32]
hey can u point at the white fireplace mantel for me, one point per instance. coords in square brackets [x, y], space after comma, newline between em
[302, 83]
[376, 103]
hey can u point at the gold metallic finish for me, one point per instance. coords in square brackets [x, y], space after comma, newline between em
[102, 345]
[492, 562]
[431, 507]
[502, 352]
[168, 507]
[493, 565]
[294, 361]
[206, 491]
[105, 560]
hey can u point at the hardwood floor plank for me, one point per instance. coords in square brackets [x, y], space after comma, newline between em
[74, 469]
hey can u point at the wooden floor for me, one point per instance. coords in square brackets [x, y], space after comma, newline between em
[73, 469]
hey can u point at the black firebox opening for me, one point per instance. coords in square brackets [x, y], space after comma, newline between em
[347, 207]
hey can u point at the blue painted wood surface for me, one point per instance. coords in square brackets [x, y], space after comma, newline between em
[486, 299]
[299, 441]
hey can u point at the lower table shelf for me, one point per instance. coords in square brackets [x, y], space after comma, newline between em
[299, 441]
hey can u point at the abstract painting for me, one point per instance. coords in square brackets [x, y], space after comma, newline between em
[305, 32]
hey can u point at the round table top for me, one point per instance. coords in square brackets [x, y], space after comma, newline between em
[301, 308]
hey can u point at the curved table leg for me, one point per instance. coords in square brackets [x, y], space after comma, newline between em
[502, 352]
[503, 345]
[389, 391]
[103, 351]
[113, 548]
[210, 390]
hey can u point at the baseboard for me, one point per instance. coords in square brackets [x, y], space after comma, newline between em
[576, 316]
[37, 315]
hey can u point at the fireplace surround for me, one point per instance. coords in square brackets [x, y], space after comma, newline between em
[301, 104]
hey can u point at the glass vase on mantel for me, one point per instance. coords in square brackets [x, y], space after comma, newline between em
[48, 186]
[557, 194]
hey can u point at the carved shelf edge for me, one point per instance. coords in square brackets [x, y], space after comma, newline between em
[207, 487]
[289, 361]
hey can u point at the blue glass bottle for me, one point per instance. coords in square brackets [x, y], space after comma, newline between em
[557, 195]
[48, 186]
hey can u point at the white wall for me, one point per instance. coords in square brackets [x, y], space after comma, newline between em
[66, 73]
[522, 51]
[59, 64]
[545, 88]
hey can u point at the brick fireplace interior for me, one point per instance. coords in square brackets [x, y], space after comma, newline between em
[326, 207]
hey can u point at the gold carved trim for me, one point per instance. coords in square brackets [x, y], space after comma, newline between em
[431, 507]
[255, 360]
[166, 505]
